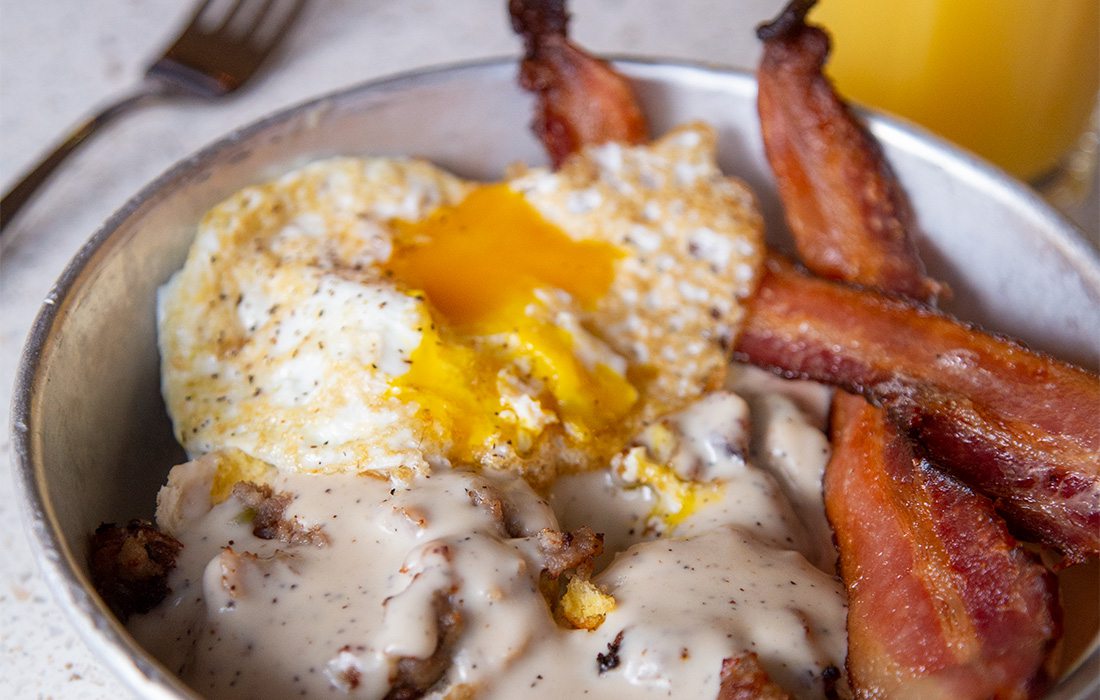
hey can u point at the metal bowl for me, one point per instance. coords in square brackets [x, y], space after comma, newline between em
[93, 442]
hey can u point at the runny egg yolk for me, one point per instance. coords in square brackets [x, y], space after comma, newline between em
[675, 498]
[479, 264]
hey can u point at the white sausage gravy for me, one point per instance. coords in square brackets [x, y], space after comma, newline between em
[382, 588]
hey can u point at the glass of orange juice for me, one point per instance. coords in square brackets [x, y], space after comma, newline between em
[1014, 81]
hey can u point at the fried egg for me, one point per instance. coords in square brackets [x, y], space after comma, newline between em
[380, 314]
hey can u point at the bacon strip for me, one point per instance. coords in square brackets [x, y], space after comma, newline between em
[581, 100]
[916, 618]
[979, 612]
[928, 567]
[849, 215]
[1019, 426]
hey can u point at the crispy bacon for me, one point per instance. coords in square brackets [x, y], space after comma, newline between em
[980, 614]
[915, 621]
[1019, 426]
[581, 99]
[849, 215]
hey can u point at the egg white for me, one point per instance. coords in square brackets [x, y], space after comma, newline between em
[283, 335]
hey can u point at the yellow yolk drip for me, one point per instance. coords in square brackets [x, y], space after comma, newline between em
[479, 264]
[675, 498]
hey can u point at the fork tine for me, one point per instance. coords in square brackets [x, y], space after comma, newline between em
[193, 22]
[268, 38]
[228, 18]
[213, 62]
[257, 23]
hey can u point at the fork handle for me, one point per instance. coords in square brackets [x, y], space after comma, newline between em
[24, 190]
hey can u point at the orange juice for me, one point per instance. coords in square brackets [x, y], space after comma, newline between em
[1012, 80]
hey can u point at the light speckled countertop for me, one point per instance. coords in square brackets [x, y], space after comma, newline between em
[60, 59]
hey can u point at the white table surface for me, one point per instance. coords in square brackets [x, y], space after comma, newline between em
[60, 59]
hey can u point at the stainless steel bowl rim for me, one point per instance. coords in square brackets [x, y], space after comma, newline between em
[105, 635]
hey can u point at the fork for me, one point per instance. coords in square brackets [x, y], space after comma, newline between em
[222, 46]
